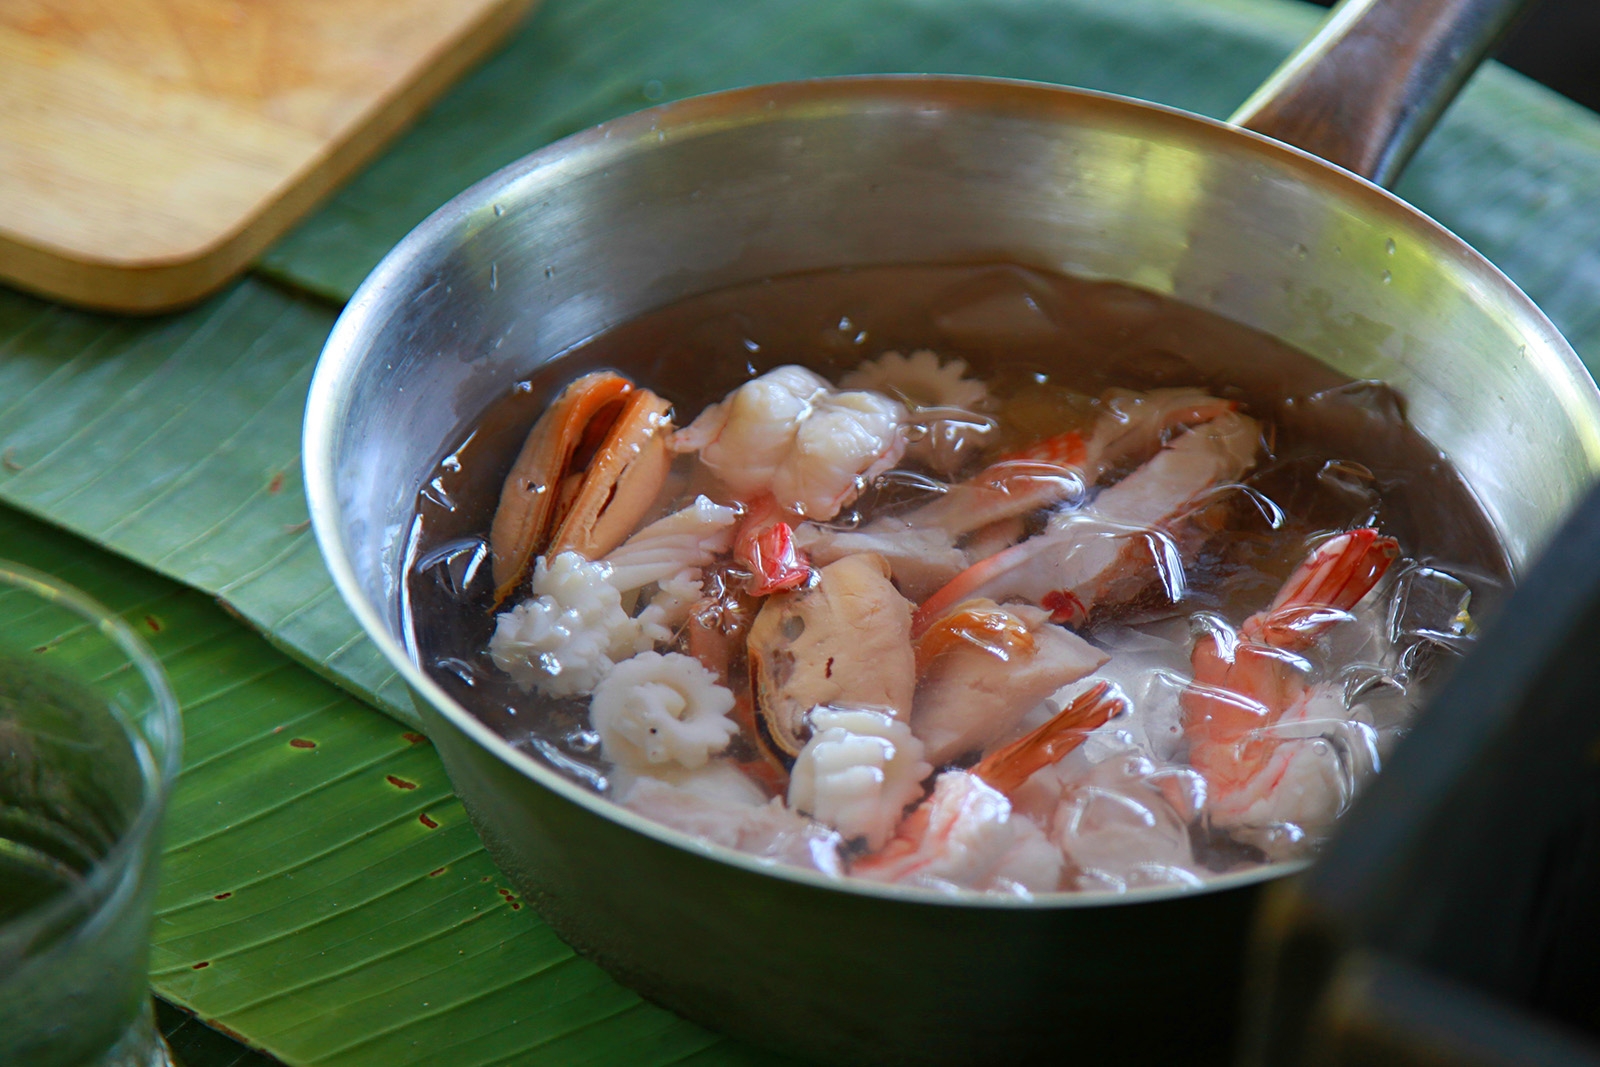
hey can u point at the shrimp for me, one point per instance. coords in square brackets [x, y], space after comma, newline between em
[765, 545]
[966, 834]
[983, 667]
[791, 434]
[1083, 554]
[1069, 464]
[1248, 686]
[985, 514]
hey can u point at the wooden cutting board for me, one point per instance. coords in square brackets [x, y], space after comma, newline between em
[150, 149]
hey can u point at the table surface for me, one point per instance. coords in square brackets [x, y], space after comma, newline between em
[323, 896]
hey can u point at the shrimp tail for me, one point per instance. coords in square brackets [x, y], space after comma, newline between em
[1327, 584]
[765, 544]
[1007, 768]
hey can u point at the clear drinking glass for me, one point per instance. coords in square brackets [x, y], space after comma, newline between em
[90, 741]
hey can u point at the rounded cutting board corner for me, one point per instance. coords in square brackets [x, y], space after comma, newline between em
[151, 149]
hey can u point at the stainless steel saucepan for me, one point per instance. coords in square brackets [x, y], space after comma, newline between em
[735, 186]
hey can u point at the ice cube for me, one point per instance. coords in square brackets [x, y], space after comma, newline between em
[1431, 604]
[1004, 305]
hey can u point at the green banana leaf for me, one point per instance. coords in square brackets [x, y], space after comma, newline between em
[174, 442]
[322, 894]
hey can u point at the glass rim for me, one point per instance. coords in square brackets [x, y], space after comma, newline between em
[157, 774]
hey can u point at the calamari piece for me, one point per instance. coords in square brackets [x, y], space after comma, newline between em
[943, 402]
[920, 560]
[1078, 560]
[563, 639]
[967, 834]
[985, 667]
[789, 433]
[718, 804]
[669, 608]
[844, 640]
[718, 781]
[858, 772]
[685, 541]
[587, 473]
[659, 709]
[920, 379]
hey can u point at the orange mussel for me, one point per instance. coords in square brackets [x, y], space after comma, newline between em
[587, 474]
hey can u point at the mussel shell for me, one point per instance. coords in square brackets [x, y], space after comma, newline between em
[846, 639]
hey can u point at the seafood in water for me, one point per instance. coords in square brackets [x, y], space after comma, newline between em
[586, 475]
[678, 546]
[1132, 426]
[828, 624]
[944, 404]
[1251, 684]
[858, 771]
[658, 709]
[791, 434]
[967, 835]
[921, 380]
[983, 514]
[1123, 823]
[562, 640]
[1067, 568]
[920, 559]
[716, 634]
[719, 804]
[765, 546]
[844, 641]
[982, 667]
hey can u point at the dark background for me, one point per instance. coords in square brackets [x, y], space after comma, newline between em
[1558, 44]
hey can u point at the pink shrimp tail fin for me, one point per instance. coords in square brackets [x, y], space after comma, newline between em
[1330, 581]
[765, 544]
[1007, 768]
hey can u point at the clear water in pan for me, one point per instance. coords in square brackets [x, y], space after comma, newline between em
[1124, 808]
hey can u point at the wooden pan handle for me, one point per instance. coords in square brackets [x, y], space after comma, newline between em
[1368, 86]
